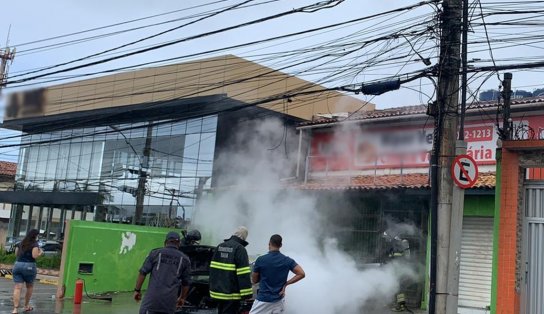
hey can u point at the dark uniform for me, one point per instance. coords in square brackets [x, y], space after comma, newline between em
[169, 270]
[230, 279]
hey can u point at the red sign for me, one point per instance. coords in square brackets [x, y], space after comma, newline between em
[478, 134]
[464, 171]
[386, 146]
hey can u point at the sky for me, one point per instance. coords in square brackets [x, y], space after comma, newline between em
[40, 20]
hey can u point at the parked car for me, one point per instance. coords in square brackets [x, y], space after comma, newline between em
[11, 243]
[49, 247]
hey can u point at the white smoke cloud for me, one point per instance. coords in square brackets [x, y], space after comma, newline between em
[334, 282]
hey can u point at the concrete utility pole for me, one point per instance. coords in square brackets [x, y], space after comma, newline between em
[447, 103]
[142, 178]
[458, 194]
[6, 58]
[507, 97]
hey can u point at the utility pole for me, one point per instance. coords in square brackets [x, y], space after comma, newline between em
[142, 177]
[507, 97]
[6, 58]
[458, 194]
[443, 152]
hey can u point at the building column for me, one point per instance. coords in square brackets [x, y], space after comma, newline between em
[48, 222]
[17, 219]
[84, 213]
[100, 213]
[509, 296]
[29, 218]
[39, 221]
[60, 228]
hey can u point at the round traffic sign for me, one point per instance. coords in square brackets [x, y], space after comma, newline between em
[464, 171]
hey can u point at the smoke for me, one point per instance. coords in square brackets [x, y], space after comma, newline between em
[394, 228]
[255, 198]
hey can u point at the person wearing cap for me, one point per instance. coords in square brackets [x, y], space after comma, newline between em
[230, 280]
[271, 272]
[169, 269]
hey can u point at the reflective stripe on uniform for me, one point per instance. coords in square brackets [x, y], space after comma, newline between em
[248, 291]
[222, 266]
[159, 263]
[243, 270]
[225, 296]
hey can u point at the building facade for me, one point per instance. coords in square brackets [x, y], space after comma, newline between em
[376, 166]
[140, 147]
[7, 181]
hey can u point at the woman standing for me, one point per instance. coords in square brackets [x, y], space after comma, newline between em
[24, 270]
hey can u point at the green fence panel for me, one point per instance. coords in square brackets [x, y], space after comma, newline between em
[107, 256]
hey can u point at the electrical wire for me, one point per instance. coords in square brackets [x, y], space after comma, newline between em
[305, 9]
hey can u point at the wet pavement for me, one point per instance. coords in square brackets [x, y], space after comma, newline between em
[43, 301]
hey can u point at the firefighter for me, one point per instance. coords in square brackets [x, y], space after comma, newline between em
[192, 237]
[397, 248]
[230, 280]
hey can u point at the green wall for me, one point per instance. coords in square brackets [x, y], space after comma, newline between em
[474, 205]
[479, 205]
[100, 244]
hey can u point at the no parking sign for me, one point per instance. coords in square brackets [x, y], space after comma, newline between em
[464, 171]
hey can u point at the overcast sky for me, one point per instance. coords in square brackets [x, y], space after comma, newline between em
[35, 20]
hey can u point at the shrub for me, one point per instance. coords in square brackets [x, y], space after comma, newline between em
[48, 262]
[6, 258]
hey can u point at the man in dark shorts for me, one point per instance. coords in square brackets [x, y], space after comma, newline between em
[169, 269]
[271, 271]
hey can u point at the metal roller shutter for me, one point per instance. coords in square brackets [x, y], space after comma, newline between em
[476, 262]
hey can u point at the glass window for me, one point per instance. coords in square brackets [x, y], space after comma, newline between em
[194, 126]
[96, 160]
[209, 124]
[52, 160]
[179, 128]
[181, 153]
[190, 155]
[85, 160]
[62, 162]
[73, 161]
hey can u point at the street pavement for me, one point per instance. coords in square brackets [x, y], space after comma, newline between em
[43, 301]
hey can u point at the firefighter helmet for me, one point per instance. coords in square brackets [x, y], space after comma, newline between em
[192, 237]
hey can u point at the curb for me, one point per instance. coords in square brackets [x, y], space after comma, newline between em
[41, 271]
[42, 278]
[47, 281]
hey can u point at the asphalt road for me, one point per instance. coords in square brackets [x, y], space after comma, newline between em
[44, 302]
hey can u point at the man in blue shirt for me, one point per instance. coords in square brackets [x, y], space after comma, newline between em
[271, 271]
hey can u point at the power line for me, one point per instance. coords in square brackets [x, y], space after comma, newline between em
[305, 9]
[117, 24]
[139, 40]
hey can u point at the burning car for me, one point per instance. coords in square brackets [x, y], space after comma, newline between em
[198, 299]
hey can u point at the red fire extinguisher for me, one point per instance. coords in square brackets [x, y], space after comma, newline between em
[78, 293]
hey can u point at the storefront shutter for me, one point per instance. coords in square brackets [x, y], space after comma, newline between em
[476, 262]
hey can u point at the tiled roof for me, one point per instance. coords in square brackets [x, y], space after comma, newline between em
[8, 168]
[386, 182]
[419, 109]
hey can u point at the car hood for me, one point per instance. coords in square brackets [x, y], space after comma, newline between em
[200, 256]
